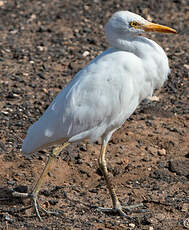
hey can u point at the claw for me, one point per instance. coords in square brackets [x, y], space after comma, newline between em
[118, 211]
[36, 204]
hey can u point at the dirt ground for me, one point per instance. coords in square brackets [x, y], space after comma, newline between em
[43, 43]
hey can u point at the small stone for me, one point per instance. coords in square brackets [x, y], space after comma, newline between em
[4, 112]
[153, 98]
[14, 31]
[83, 148]
[186, 223]
[86, 7]
[32, 17]
[86, 53]
[151, 228]
[40, 48]
[21, 189]
[186, 66]
[180, 166]
[149, 18]
[152, 150]
[11, 182]
[7, 218]
[76, 31]
[185, 207]
[53, 202]
[45, 90]
[160, 216]
[132, 225]
[161, 152]
[73, 65]
[153, 221]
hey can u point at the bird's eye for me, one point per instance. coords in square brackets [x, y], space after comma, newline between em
[133, 24]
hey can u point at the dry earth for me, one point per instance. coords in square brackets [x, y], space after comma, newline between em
[42, 45]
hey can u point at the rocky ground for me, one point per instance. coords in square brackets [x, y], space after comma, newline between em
[43, 43]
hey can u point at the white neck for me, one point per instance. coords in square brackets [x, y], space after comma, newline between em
[133, 43]
[145, 49]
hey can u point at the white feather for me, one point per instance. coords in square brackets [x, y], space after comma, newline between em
[106, 92]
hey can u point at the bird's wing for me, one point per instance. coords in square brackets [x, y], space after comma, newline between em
[95, 98]
[99, 99]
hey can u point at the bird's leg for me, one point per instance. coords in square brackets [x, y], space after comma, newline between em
[116, 204]
[117, 208]
[37, 187]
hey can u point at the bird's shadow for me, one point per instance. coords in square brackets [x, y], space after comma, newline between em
[6, 197]
[10, 204]
[154, 109]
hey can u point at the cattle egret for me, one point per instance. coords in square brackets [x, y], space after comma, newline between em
[103, 95]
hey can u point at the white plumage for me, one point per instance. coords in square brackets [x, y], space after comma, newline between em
[107, 91]
[103, 95]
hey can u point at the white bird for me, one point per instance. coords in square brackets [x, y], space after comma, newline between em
[103, 95]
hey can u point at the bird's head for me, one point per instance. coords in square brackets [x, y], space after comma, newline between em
[124, 22]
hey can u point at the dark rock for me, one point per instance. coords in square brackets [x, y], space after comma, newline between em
[53, 202]
[21, 189]
[180, 166]
[11, 182]
[163, 175]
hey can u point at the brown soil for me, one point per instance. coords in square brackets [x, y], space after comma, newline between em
[42, 43]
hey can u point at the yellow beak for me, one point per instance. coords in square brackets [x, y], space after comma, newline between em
[152, 27]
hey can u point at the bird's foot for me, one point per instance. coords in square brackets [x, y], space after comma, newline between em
[114, 211]
[119, 210]
[36, 204]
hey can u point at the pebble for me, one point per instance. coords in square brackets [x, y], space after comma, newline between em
[152, 150]
[180, 166]
[32, 17]
[160, 216]
[83, 147]
[4, 112]
[86, 7]
[161, 152]
[185, 207]
[153, 98]
[41, 48]
[21, 189]
[7, 218]
[86, 53]
[45, 90]
[186, 223]
[149, 18]
[131, 225]
[153, 221]
[186, 66]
